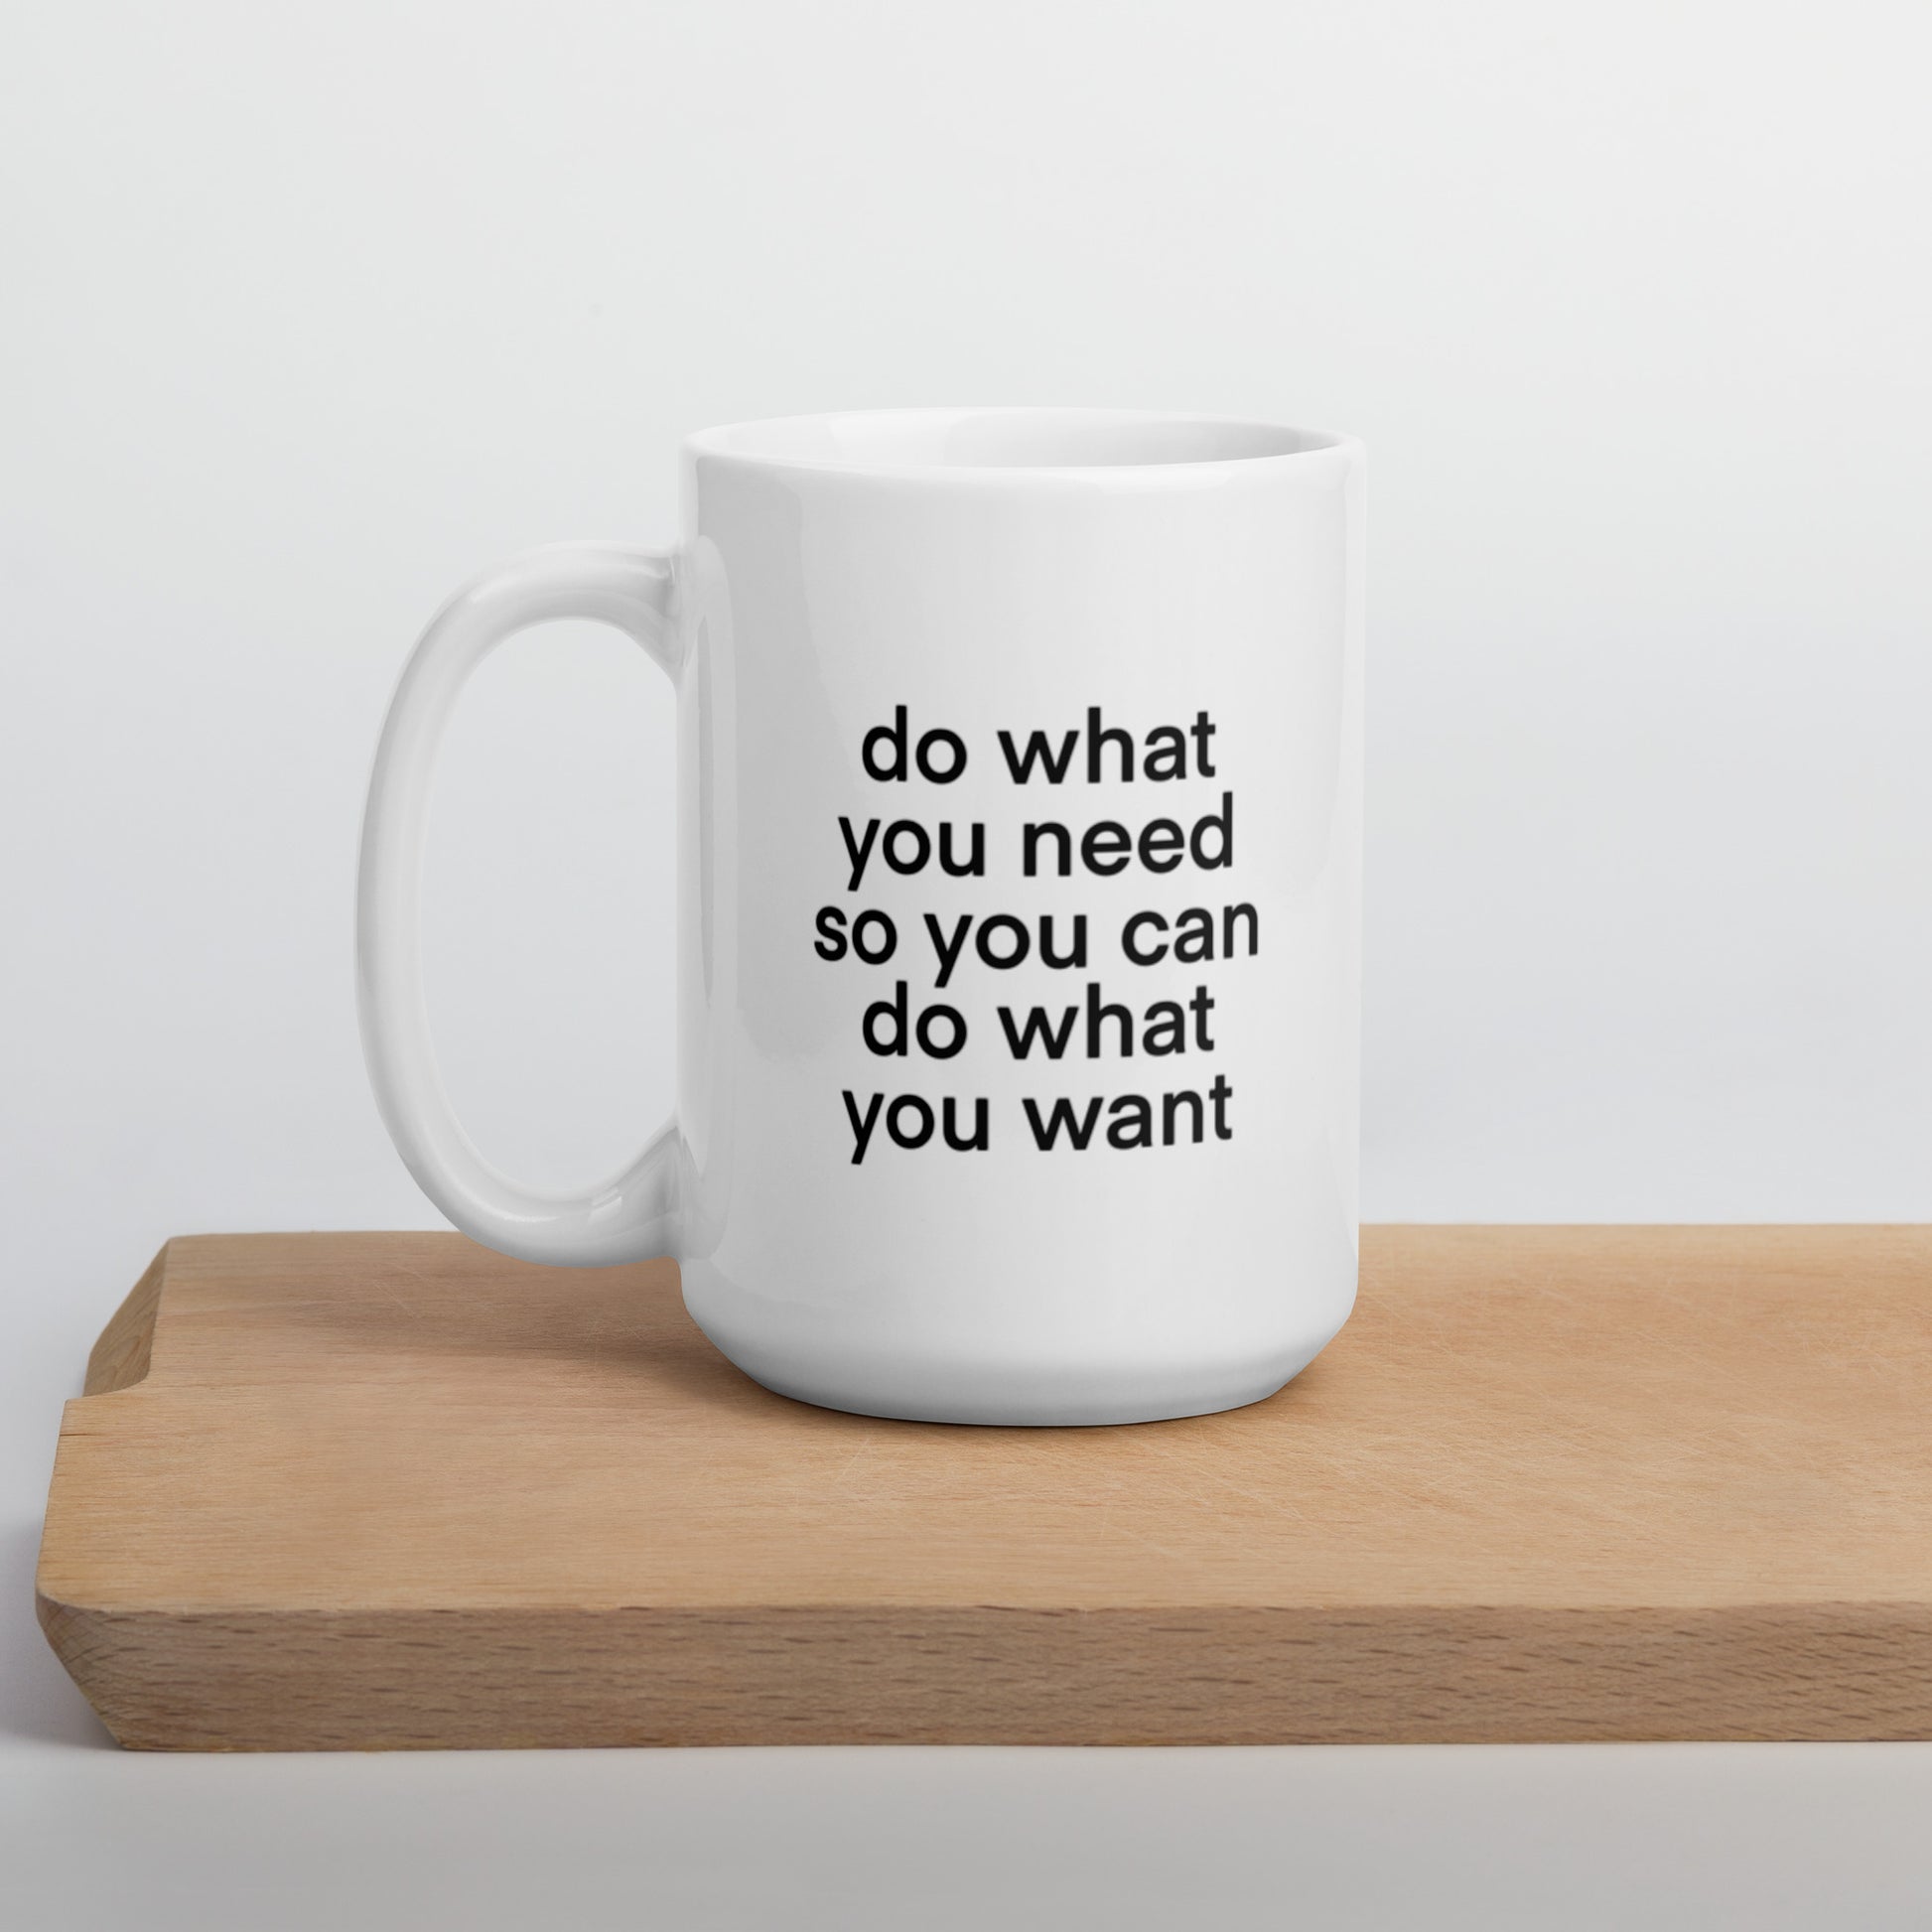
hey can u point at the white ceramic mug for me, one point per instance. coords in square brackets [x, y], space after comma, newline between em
[1018, 904]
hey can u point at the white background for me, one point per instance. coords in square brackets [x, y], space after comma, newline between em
[306, 313]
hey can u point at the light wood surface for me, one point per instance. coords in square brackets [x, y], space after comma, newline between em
[389, 1491]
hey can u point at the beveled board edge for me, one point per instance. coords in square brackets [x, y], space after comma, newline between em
[497, 1680]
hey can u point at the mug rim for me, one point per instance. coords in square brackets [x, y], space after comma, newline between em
[1237, 443]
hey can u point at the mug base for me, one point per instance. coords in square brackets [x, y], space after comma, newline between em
[1010, 1397]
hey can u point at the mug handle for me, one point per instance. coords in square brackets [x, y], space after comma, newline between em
[634, 1214]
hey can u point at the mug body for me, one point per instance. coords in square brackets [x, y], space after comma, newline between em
[1019, 846]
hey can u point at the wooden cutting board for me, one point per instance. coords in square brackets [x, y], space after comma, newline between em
[382, 1490]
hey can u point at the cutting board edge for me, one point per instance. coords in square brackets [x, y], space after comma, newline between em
[315, 1679]
[174, 1678]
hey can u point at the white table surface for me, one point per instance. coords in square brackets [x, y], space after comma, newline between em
[1651, 1835]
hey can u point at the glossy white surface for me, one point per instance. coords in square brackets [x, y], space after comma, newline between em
[1019, 909]
[632, 1214]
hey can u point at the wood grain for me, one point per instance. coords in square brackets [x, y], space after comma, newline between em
[388, 1490]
